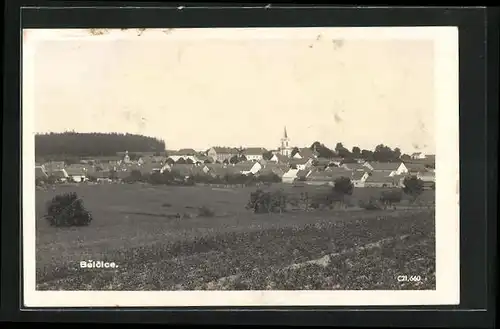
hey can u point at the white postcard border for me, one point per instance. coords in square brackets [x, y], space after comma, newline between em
[447, 189]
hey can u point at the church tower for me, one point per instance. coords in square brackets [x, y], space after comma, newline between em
[285, 148]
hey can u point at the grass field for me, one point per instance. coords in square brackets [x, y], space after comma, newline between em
[133, 226]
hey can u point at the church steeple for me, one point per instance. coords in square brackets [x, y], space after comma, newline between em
[285, 148]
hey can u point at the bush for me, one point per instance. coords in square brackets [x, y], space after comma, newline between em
[388, 198]
[67, 210]
[413, 187]
[205, 212]
[266, 202]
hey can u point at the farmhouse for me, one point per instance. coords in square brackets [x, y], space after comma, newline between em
[305, 153]
[279, 158]
[76, 173]
[221, 153]
[60, 174]
[414, 168]
[359, 178]
[327, 176]
[40, 172]
[381, 179]
[274, 168]
[418, 155]
[290, 176]
[247, 167]
[354, 167]
[54, 165]
[254, 153]
[301, 164]
[387, 168]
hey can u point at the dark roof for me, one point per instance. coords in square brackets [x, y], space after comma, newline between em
[307, 153]
[415, 166]
[294, 161]
[357, 175]
[329, 175]
[377, 177]
[385, 166]
[355, 166]
[40, 172]
[244, 165]
[225, 150]
[254, 151]
[75, 171]
[184, 152]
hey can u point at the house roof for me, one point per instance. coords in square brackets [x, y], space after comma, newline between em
[321, 162]
[40, 172]
[294, 161]
[377, 177]
[244, 165]
[385, 166]
[420, 167]
[281, 158]
[307, 153]
[303, 173]
[59, 173]
[254, 151]
[75, 171]
[355, 166]
[102, 174]
[329, 175]
[357, 175]
[148, 168]
[225, 150]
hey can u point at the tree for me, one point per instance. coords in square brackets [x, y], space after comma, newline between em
[295, 150]
[234, 159]
[267, 155]
[343, 186]
[405, 157]
[367, 155]
[356, 151]
[413, 187]
[189, 161]
[57, 146]
[322, 150]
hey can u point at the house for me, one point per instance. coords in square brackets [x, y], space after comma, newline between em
[279, 158]
[321, 162]
[414, 168]
[387, 168]
[40, 172]
[186, 152]
[290, 176]
[103, 176]
[254, 153]
[215, 169]
[274, 168]
[76, 173]
[247, 167]
[303, 174]
[221, 153]
[427, 176]
[201, 159]
[359, 178]
[60, 174]
[327, 176]
[301, 164]
[417, 155]
[354, 167]
[184, 170]
[381, 179]
[336, 161]
[54, 165]
[305, 153]
[149, 168]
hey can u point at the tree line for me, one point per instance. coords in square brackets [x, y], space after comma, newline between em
[73, 144]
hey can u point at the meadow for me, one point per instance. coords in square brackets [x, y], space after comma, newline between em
[160, 241]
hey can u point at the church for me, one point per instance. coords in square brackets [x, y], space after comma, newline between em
[285, 149]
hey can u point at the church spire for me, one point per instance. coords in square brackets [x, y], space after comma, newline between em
[285, 135]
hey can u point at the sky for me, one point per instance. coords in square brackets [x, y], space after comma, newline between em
[224, 87]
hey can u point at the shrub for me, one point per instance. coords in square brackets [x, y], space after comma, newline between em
[67, 210]
[413, 187]
[388, 198]
[266, 202]
[205, 212]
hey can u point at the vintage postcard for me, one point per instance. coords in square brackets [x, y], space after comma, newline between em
[240, 167]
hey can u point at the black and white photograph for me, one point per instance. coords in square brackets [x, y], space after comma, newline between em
[240, 166]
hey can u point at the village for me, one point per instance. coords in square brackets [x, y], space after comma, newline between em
[287, 164]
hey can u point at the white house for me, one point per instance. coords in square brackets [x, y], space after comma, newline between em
[387, 168]
[290, 176]
[359, 178]
[254, 153]
[418, 156]
[302, 164]
[247, 167]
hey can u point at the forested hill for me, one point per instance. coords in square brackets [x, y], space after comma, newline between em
[94, 144]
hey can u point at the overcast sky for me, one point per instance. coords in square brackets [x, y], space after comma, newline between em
[198, 90]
